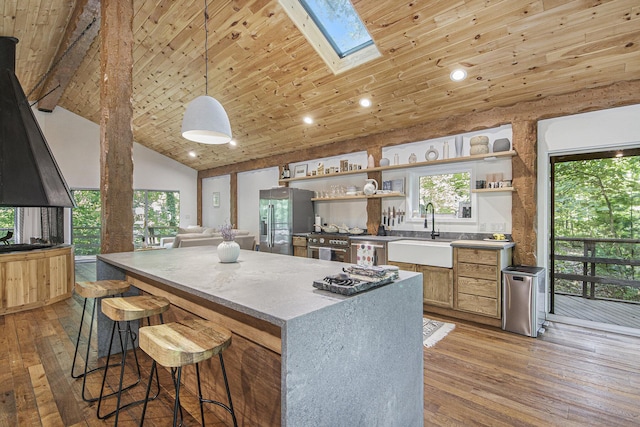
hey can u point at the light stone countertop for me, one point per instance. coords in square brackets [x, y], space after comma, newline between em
[482, 244]
[275, 288]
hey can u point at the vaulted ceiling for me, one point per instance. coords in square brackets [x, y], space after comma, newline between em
[268, 76]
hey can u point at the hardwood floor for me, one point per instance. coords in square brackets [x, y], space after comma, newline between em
[475, 376]
[570, 376]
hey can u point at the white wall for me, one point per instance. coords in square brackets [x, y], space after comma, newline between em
[213, 216]
[587, 132]
[249, 186]
[75, 143]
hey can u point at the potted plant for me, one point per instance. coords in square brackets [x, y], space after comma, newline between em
[228, 249]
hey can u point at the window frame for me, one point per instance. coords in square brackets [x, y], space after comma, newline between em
[413, 196]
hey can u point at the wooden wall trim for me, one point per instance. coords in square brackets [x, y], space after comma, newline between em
[233, 202]
[591, 99]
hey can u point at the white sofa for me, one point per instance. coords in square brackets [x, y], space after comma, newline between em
[202, 236]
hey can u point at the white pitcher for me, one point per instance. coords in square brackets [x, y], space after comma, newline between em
[370, 187]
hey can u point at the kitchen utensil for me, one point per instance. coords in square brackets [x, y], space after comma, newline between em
[343, 229]
[356, 230]
[370, 187]
[331, 228]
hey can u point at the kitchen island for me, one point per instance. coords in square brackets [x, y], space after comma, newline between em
[299, 356]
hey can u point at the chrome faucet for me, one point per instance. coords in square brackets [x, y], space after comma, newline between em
[434, 234]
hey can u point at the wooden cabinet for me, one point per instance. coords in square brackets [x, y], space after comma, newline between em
[437, 283]
[35, 278]
[300, 246]
[477, 281]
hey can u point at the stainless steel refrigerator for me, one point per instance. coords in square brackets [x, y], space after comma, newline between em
[284, 211]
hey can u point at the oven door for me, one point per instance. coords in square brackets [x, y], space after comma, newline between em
[334, 254]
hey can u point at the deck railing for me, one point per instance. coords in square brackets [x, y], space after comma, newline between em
[597, 262]
[86, 240]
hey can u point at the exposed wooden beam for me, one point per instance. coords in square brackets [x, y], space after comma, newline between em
[82, 29]
[116, 134]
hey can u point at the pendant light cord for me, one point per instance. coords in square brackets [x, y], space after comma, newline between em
[206, 50]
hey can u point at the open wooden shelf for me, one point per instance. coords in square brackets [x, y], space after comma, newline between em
[487, 157]
[492, 190]
[375, 196]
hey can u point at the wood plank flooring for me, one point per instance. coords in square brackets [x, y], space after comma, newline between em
[476, 376]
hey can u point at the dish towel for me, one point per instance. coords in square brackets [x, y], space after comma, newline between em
[365, 255]
[324, 254]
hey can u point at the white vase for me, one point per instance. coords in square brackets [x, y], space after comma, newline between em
[458, 142]
[228, 251]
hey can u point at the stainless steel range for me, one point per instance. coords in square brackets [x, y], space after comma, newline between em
[329, 246]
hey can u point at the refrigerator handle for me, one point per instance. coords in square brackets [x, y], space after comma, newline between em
[271, 214]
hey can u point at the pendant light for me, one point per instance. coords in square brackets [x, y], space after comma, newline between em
[205, 120]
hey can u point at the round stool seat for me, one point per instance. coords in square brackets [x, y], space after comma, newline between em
[134, 308]
[101, 288]
[184, 343]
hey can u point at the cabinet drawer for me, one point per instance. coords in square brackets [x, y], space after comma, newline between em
[478, 256]
[480, 287]
[403, 265]
[480, 271]
[477, 304]
[299, 241]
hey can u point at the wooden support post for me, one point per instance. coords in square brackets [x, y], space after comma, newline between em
[116, 134]
[524, 199]
[199, 201]
[374, 206]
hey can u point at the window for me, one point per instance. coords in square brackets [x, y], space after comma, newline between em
[335, 31]
[450, 194]
[7, 221]
[156, 215]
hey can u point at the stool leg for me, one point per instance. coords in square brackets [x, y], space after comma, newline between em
[176, 406]
[146, 396]
[226, 385]
[123, 345]
[75, 354]
[228, 408]
[200, 400]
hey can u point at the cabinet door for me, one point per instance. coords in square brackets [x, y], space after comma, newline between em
[437, 285]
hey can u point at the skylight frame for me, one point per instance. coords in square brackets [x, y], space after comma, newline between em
[327, 33]
[323, 47]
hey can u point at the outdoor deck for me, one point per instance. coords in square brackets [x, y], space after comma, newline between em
[615, 313]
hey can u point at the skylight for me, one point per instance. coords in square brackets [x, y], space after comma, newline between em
[335, 31]
[340, 24]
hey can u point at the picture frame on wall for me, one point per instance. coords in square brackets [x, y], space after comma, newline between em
[216, 199]
[300, 171]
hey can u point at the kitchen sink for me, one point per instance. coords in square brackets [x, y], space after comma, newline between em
[425, 252]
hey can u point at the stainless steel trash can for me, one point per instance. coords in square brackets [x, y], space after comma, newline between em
[523, 296]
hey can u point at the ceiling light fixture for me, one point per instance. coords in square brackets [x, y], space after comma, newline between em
[308, 120]
[192, 154]
[365, 102]
[205, 120]
[458, 75]
[232, 142]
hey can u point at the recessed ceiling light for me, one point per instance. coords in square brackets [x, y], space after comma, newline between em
[458, 75]
[192, 153]
[365, 102]
[232, 142]
[619, 154]
[308, 120]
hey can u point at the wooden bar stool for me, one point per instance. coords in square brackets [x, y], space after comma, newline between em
[188, 342]
[126, 309]
[95, 290]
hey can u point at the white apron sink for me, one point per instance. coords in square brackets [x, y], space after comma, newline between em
[424, 252]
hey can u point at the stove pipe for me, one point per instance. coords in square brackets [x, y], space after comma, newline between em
[29, 175]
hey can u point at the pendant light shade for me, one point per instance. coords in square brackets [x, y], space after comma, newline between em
[205, 121]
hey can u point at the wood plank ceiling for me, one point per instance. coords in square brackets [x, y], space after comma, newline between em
[267, 76]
